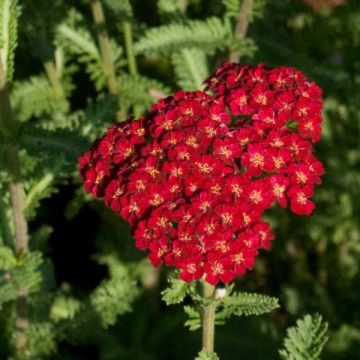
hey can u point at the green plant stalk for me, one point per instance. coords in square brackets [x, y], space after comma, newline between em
[17, 203]
[242, 25]
[104, 43]
[54, 78]
[208, 320]
[128, 39]
[183, 5]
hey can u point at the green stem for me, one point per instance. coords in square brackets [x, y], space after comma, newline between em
[208, 325]
[54, 78]
[104, 43]
[183, 5]
[242, 25]
[128, 38]
[17, 203]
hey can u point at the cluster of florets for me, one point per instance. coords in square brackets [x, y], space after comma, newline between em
[194, 175]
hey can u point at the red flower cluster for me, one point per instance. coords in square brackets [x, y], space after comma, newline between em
[194, 175]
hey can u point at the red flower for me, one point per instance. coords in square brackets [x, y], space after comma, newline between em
[299, 200]
[194, 176]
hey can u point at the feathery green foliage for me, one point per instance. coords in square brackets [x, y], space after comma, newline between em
[122, 8]
[194, 321]
[113, 298]
[246, 304]
[35, 97]
[60, 143]
[41, 189]
[232, 7]
[135, 91]
[64, 308]
[209, 35]
[168, 6]
[191, 68]
[73, 36]
[306, 340]
[41, 341]
[176, 292]
[17, 274]
[9, 14]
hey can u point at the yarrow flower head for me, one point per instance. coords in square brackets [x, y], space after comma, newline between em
[194, 175]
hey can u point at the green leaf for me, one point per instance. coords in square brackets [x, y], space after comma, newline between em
[24, 274]
[193, 321]
[246, 304]
[191, 68]
[205, 355]
[77, 41]
[136, 91]
[41, 189]
[168, 6]
[64, 308]
[40, 339]
[7, 259]
[114, 297]
[97, 117]
[122, 8]
[209, 35]
[232, 7]
[176, 292]
[9, 14]
[61, 142]
[306, 340]
[35, 97]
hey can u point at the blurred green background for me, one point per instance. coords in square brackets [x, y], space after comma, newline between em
[313, 266]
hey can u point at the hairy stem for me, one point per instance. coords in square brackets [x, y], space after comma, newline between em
[104, 43]
[128, 39]
[17, 203]
[242, 25]
[208, 325]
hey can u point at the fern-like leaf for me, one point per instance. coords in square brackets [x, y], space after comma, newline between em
[35, 97]
[306, 340]
[41, 189]
[190, 67]
[209, 35]
[232, 7]
[60, 143]
[77, 40]
[24, 274]
[9, 14]
[194, 321]
[136, 91]
[122, 8]
[246, 304]
[40, 340]
[113, 298]
[64, 308]
[176, 292]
